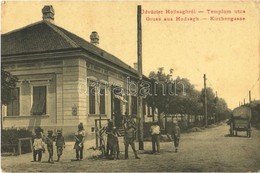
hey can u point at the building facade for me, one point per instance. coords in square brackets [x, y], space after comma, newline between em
[64, 79]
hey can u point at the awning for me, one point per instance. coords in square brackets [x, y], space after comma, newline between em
[120, 98]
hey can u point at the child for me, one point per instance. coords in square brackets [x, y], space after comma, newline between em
[176, 133]
[38, 146]
[49, 142]
[60, 143]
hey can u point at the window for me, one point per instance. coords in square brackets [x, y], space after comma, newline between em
[92, 100]
[102, 108]
[14, 105]
[127, 105]
[39, 100]
[144, 107]
[134, 105]
[149, 111]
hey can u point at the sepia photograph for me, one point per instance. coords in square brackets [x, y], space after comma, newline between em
[130, 86]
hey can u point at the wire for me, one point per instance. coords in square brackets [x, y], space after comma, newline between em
[253, 86]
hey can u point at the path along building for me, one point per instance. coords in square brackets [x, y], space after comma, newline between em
[64, 79]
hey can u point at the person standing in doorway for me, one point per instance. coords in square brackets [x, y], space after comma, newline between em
[155, 133]
[79, 141]
[130, 130]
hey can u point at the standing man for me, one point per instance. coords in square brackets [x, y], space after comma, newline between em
[176, 134]
[79, 141]
[130, 130]
[155, 133]
[108, 129]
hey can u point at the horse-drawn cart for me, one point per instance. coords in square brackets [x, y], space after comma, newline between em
[241, 120]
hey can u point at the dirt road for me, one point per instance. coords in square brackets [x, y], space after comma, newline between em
[210, 150]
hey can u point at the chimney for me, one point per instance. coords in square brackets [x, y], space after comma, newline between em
[136, 66]
[48, 13]
[94, 38]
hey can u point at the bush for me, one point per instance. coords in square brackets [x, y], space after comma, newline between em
[11, 136]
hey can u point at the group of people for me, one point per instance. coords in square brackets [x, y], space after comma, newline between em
[112, 145]
[155, 133]
[130, 128]
[40, 141]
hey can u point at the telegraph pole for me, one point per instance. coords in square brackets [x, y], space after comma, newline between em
[205, 93]
[249, 96]
[140, 75]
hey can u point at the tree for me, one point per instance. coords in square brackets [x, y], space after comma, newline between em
[211, 106]
[221, 109]
[174, 96]
[159, 99]
[179, 96]
[8, 82]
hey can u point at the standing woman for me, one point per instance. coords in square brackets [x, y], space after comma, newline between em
[79, 141]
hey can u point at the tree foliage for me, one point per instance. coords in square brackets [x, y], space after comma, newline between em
[8, 81]
[179, 96]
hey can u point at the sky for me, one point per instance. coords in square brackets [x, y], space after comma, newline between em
[227, 52]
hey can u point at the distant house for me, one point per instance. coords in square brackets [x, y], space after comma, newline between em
[63, 79]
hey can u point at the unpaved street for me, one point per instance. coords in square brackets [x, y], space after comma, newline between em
[209, 150]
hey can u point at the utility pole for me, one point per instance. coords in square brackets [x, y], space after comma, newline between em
[205, 93]
[140, 75]
[249, 96]
[216, 114]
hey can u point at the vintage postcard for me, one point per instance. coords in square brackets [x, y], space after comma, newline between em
[130, 86]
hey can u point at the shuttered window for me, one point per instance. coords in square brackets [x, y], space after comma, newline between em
[102, 101]
[39, 100]
[13, 107]
[134, 105]
[92, 100]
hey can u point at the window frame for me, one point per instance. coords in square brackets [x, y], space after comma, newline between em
[19, 105]
[104, 96]
[46, 98]
[90, 95]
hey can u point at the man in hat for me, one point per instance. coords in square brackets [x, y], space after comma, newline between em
[155, 133]
[109, 128]
[176, 134]
[130, 130]
[49, 142]
[79, 143]
[114, 143]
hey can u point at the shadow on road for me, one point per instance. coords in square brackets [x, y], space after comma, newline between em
[240, 136]
[161, 152]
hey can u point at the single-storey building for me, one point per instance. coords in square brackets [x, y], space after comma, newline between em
[64, 79]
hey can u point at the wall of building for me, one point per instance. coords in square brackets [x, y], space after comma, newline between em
[62, 79]
[67, 80]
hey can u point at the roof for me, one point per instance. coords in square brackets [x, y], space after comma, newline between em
[44, 36]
